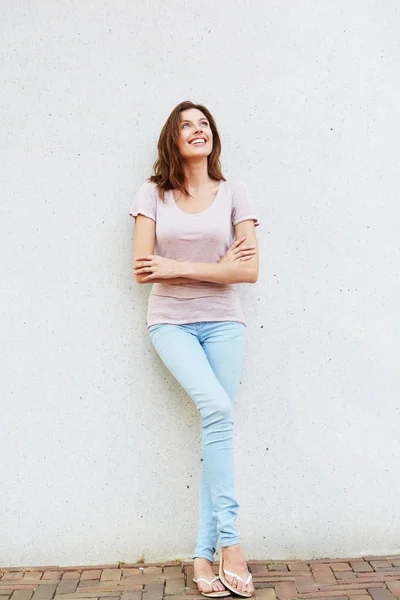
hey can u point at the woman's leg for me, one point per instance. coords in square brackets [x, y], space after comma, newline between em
[180, 349]
[223, 343]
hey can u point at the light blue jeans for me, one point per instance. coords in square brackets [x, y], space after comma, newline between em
[206, 359]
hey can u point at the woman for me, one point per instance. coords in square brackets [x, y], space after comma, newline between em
[186, 218]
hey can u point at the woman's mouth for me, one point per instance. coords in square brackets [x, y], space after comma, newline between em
[198, 142]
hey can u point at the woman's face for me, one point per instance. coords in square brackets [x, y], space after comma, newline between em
[195, 137]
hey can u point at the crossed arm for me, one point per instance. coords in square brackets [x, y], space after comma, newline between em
[238, 265]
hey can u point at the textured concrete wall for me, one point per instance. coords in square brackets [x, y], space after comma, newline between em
[99, 446]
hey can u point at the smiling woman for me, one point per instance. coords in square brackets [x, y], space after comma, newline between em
[194, 240]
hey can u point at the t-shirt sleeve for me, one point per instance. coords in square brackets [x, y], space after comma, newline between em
[144, 202]
[242, 205]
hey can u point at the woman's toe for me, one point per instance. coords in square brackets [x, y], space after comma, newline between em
[217, 587]
[250, 588]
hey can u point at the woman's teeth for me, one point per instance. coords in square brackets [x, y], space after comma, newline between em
[197, 142]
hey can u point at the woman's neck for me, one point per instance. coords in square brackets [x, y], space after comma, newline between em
[196, 174]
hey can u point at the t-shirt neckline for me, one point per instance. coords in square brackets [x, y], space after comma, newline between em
[202, 211]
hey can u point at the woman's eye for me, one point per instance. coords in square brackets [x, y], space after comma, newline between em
[204, 123]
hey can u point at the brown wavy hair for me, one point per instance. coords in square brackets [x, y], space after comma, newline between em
[168, 168]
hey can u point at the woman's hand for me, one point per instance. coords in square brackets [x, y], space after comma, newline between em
[238, 252]
[157, 267]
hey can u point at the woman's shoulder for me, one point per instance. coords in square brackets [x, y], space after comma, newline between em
[149, 190]
[234, 184]
[148, 186]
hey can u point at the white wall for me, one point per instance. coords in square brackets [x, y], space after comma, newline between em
[99, 446]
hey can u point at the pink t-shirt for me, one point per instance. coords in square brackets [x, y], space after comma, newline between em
[202, 237]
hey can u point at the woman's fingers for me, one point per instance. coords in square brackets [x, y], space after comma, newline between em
[243, 253]
[147, 257]
[139, 270]
[241, 249]
[246, 252]
[237, 243]
[143, 263]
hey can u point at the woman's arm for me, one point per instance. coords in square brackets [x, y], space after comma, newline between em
[239, 271]
[154, 268]
[144, 243]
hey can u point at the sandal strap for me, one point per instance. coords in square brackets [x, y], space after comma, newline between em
[237, 576]
[205, 580]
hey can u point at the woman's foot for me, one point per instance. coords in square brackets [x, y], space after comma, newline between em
[203, 568]
[234, 561]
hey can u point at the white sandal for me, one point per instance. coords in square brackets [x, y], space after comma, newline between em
[221, 594]
[230, 587]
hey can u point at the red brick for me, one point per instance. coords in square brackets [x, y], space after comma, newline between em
[344, 559]
[336, 598]
[378, 564]
[152, 571]
[360, 566]
[258, 568]
[340, 566]
[132, 588]
[97, 594]
[86, 567]
[10, 586]
[277, 567]
[286, 590]
[67, 586]
[71, 575]
[90, 575]
[22, 595]
[142, 579]
[175, 586]
[298, 566]
[129, 572]
[394, 587]
[51, 575]
[377, 576]
[381, 556]
[357, 593]
[32, 576]
[44, 591]
[174, 571]
[83, 585]
[353, 585]
[29, 568]
[305, 583]
[131, 595]
[363, 596]
[110, 575]
[278, 575]
[345, 575]
[381, 593]
[265, 594]
[328, 593]
[323, 574]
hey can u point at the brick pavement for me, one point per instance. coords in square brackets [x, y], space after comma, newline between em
[367, 578]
